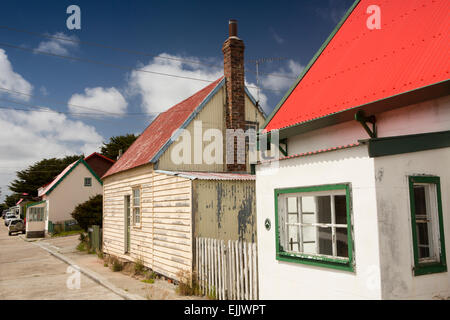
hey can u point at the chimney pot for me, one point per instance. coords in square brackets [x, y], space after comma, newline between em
[232, 27]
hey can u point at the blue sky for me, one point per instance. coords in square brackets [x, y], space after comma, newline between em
[189, 30]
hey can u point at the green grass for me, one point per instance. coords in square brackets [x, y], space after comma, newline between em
[81, 246]
[66, 233]
[148, 281]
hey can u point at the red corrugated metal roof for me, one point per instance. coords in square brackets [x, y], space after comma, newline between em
[159, 132]
[359, 66]
[100, 156]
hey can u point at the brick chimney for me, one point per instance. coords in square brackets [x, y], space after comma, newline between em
[233, 64]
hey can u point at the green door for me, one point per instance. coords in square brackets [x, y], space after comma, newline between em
[127, 223]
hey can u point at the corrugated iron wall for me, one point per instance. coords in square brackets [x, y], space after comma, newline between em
[224, 210]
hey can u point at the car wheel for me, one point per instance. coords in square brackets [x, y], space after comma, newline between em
[9, 233]
[23, 231]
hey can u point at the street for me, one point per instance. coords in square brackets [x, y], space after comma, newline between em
[29, 272]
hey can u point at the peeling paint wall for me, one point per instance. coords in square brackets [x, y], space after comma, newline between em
[225, 209]
[394, 215]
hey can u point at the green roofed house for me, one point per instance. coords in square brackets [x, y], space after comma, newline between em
[73, 186]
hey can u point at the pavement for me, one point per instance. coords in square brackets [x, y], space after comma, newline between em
[52, 268]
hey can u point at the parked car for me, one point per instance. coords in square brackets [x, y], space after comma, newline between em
[16, 225]
[9, 217]
[4, 213]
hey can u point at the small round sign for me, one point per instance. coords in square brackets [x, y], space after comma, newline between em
[267, 224]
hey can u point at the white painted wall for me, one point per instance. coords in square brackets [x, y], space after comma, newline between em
[70, 193]
[288, 280]
[432, 115]
[398, 281]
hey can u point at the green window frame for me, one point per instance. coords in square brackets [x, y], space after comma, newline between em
[88, 182]
[333, 261]
[429, 257]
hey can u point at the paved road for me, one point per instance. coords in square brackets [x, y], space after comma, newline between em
[29, 272]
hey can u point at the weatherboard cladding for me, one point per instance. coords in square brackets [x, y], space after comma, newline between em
[358, 66]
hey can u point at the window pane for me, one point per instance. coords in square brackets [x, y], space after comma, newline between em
[292, 238]
[136, 197]
[292, 204]
[308, 218]
[309, 239]
[342, 242]
[340, 209]
[325, 241]
[423, 223]
[419, 200]
[308, 205]
[324, 209]
[137, 217]
[423, 241]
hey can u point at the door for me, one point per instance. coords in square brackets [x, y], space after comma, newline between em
[127, 223]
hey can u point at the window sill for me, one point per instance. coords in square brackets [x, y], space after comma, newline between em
[319, 261]
[431, 268]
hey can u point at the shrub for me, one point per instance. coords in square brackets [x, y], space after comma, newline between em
[89, 213]
[81, 246]
[151, 281]
[139, 267]
[187, 285]
[116, 265]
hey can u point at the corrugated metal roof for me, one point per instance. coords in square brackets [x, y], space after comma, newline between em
[159, 132]
[359, 66]
[193, 175]
[310, 153]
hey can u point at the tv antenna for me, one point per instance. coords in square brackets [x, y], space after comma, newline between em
[257, 62]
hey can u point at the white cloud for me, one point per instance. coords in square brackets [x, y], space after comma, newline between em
[27, 137]
[288, 73]
[160, 92]
[98, 100]
[11, 80]
[58, 46]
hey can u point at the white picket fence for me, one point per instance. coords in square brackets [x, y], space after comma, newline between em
[227, 270]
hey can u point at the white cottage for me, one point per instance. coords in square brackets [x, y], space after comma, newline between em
[73, 186]
[360, 206]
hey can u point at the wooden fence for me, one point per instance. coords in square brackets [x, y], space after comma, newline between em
[227, 270]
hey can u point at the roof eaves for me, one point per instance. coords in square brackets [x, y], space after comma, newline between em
[399, 100]
[188, 120]
[310, 153]
[62, 178]
[311, 62]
